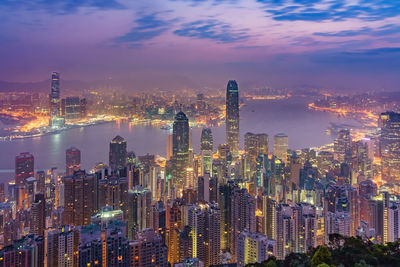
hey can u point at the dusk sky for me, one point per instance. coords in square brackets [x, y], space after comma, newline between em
[347, 44]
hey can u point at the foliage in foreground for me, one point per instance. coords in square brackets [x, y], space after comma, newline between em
[341, 251]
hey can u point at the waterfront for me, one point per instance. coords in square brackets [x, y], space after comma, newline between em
[306, 128]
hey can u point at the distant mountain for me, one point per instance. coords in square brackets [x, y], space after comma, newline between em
[40, 87]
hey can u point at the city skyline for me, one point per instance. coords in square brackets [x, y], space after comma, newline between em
[199, 133]
[196, 44]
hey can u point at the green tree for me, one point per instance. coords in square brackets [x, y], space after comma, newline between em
[322, 255]
[323, 265]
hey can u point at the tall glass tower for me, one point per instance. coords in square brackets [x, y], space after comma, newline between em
[232, 117]
[180, 148]
[55, 94]
[206, 147]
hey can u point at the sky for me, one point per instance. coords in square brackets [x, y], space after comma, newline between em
[144, 44]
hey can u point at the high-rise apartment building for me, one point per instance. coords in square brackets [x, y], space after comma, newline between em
[254, 248]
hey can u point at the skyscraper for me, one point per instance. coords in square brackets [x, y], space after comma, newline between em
[24, 167]
[342, 145]
[180, 148]
[206, 147]
[73, 160]
[117, 156]
[281, 145]
[232, 117]
[55, 95]
[390, 146]
[38, 217]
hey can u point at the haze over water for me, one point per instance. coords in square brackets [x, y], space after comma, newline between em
[305, 128]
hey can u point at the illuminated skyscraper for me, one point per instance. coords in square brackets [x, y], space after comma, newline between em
[342, 145]
[390, 146]
[73, 160]
[24, 167]
[117, 156]
[55, 95]
[180, 148]
[206, 146]
[281, 145]
[232, 117]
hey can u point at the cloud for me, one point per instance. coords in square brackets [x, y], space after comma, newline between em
[388, 29]
[147, 27]
[320, 10]
[60, 7]
[212, 29]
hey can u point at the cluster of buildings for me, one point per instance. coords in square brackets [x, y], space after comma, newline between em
[221, 207]
[64, 109]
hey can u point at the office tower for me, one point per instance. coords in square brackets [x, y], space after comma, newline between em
[73, 160]
[342, 145]
[24, 167]
[232, 117]
[139, 209]
[284, 226]
[254, 248]
[255, 144]
[206, 147]
[169, 147]
[204, 221]
[38, 216]
[180, 148]
[55, 95]
[25, 252]
[80, 194]
[281, 145]
[174, 222]
[117, 156]
[62, 247]
[83, 108]
[148, 249]
[390, 146]
[203, 189]
[243, 216]
[40, 182]
[213, 190]
[71, 108]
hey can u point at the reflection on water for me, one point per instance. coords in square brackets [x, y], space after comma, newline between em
[305, 128]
